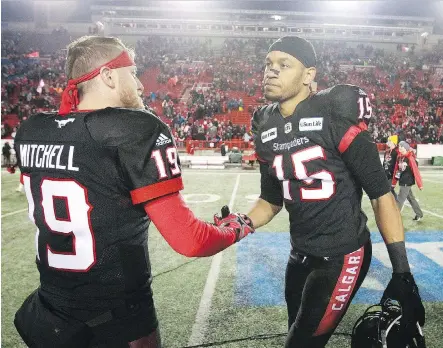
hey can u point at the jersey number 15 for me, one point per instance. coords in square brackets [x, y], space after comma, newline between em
[299, 159]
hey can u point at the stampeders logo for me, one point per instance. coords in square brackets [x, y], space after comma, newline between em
[64, 122]
[310, 124]
[288, 127]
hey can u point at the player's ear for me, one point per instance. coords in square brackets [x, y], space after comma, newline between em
[309, 75]
[108, 77]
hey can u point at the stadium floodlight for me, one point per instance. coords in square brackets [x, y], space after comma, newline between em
[346, 6]
[276, 17]
[187, 6]
[100, 26]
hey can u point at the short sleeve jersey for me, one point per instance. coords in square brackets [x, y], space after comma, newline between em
[303, 153]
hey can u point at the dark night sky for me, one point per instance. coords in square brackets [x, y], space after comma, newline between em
[14, 9]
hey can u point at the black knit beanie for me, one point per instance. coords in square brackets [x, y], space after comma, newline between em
[296, 47]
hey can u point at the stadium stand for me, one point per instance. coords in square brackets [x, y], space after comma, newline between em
[207, 94]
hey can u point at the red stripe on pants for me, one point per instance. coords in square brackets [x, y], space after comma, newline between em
[342, 292]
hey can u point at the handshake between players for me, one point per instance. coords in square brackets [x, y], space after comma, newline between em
[240, 222]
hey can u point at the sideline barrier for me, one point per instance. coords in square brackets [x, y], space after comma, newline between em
[427, 151]
[194, 145]
[203, 145]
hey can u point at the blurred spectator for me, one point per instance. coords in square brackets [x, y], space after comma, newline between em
[235, 156]
[6, 151]
[202, 86]
[406, 173]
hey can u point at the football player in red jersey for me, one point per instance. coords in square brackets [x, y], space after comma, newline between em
[95, 174]
[315, 157]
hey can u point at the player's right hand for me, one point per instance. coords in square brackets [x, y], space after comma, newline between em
[241, 223]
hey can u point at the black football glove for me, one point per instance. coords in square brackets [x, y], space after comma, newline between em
[402, 288]
[240, 222]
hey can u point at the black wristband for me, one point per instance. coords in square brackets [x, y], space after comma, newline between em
[399, 259]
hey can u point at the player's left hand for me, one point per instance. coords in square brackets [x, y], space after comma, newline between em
[403, 289]
[240, 222]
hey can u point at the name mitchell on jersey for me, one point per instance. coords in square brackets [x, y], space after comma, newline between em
[47, 156]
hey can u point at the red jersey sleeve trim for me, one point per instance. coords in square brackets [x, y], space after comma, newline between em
[349, 137]
[147, 193]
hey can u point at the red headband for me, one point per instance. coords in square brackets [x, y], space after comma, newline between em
[70, 100]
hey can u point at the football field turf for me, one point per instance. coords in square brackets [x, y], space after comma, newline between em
[235, 299]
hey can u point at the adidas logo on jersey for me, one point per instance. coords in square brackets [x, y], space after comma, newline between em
[162, 140]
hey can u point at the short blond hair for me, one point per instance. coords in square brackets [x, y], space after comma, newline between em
[89, 52]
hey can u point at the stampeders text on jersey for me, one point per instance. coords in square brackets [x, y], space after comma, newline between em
[289, 145]
[47, 156]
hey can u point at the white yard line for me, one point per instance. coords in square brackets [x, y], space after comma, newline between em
[426, 211]
[14, 213]
[201, 320]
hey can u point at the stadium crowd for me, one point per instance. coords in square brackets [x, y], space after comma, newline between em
[195, 86]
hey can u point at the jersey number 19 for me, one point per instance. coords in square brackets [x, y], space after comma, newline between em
[77, 224]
